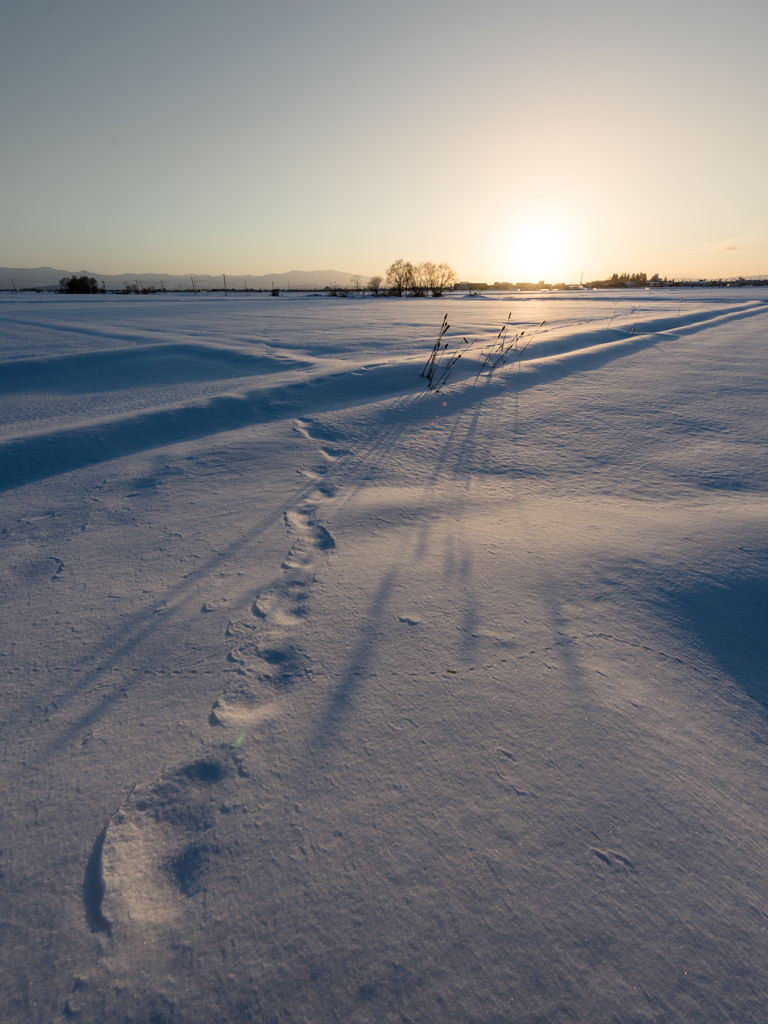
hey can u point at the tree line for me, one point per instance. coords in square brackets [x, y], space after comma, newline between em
[79, 285]
[403, 277]
[625, 280]
[419, 279]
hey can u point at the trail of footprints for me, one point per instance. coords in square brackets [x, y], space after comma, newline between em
[160, 846]
[266, 649]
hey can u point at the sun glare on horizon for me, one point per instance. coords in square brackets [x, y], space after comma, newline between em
[538, 252]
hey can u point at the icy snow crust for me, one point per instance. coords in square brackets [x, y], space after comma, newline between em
[331, 699]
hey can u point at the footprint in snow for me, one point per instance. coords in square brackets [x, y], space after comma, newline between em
[326, 489]
[315, 431]
[312, 539]
[268, 660]
[325, 436]
[274, 661]
[156, 845]
[332, 453]
[285, 602]
[168, 860]
[249, 698]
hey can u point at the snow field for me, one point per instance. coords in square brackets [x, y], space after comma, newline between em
[327, 700]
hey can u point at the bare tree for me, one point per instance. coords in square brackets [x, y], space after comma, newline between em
[423, 275]
[357, 282]
[79, 285]
[430, 274]
[374, 283]
[443, 277]
[400, 276]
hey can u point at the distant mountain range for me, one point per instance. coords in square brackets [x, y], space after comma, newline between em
[49, 277]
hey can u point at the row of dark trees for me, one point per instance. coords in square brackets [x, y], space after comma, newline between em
[419, 279]
[625, 281]
[79, 285]
[402, 277]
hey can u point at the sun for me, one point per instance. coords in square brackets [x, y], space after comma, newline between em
[538, 252]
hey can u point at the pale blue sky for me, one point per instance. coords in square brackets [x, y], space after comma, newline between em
[512, 140]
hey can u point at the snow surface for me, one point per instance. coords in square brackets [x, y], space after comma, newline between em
[327, 698]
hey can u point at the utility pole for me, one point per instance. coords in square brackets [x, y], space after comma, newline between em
[225, 283]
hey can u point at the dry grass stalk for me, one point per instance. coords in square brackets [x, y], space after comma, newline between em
[502, 348]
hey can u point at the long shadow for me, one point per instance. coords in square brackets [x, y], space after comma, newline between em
[140, 336]
[458, 577]
[139, 627]
[40, 456]
[471, 393]
[354, 472]
[90, 372]
[341, 699]
[729, 620]
[563, 364]
[373, 455]
[37, 457]
[451, 451]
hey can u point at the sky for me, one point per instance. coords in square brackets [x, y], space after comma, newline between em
[513, 141]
